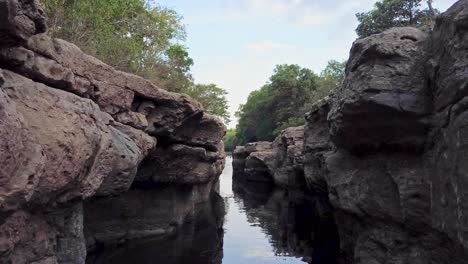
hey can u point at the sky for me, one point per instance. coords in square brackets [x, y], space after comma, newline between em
[237, 43]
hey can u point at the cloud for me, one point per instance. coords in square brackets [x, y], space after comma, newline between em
[264, 46]
[305, 12]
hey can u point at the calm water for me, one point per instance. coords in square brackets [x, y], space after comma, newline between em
[244, 224]
[246, 240]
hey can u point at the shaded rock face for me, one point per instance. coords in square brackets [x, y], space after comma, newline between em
[383, 101]
[199, 240]
[279, 162]
[142, 213]
[252, 166]
[316, 144]
[73, 129]
[388, 147]
[288, 167]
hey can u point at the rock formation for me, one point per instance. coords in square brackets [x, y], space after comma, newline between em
[388, 148]
[280, 162]
[74, 129]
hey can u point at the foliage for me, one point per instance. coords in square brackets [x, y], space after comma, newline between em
[212, 98]
[395, 13]
[137, 37]
[230, 140]
[128, 34]
[330, 78]
[284, 100]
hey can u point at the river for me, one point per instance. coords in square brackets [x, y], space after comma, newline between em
[246, 223]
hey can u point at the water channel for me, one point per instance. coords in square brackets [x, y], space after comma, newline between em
[246, 223]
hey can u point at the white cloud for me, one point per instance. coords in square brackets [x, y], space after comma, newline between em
[305, 12]
[264, 46]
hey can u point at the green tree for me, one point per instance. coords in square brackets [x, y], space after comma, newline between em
[283, 101]
[280, 103]
[395, 13]
[330, 78]
[212, 98]
[230, 140]
[131, 35]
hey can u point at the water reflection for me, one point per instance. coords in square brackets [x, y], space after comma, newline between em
[245, 223]
[298, 228]
[199, 240]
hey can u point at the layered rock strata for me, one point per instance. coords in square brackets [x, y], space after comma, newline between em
[74, 129]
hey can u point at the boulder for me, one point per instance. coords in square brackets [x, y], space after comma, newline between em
[181, 164]
[257, 166]
[62, 65]
[288, 167]
[241, 153]
[74, 129]
[383, 102]
[81, 158]
[279, 162]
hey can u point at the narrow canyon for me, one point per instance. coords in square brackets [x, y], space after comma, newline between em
[93, 158]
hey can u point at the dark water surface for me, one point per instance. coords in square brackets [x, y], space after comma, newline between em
[248, 223]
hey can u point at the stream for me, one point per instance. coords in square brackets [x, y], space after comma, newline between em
[246, 223]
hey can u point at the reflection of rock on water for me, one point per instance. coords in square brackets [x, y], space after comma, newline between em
[297, 225]
[146, 224]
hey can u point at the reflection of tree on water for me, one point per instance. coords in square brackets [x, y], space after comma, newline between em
[296, 224]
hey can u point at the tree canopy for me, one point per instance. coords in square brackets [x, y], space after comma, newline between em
[283, 101]
[395, 13]
[213, 98]
[136, 36]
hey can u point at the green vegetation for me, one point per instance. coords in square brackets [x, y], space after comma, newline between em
[283, 101]
[213, 98]
[395, 13]
[230, 141]
[134, 36]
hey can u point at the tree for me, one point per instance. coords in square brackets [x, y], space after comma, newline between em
[212, 98]
[280, 103]
[395, 13]
[283, 101]
[230, 141]
[127, 34]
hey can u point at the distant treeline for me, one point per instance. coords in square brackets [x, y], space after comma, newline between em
[282, 102]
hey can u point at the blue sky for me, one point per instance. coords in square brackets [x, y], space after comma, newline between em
[236, 43]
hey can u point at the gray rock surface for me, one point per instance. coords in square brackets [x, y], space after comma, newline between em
[73, 129]
[279, 162]
[383, 101]
[242, 153]
[388, 148]
[316, 144]
[393, 168]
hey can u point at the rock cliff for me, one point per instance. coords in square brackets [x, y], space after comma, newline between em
[388, 148]
[75, 130]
